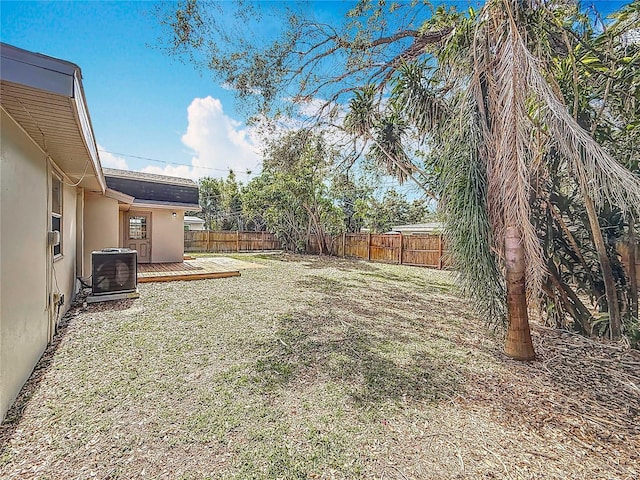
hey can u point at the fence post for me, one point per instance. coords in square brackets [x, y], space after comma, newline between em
[440, 252]
[262, 235]
[208, 241]
[369, 247]
[237, 241]
[401, 246]
[344, 244]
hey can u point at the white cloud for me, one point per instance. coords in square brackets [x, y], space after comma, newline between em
[332, 116]
[219, 143]
[109, 160]
[314, 107]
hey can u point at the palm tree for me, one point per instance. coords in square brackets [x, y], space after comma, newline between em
[492, 116]
[478, 88]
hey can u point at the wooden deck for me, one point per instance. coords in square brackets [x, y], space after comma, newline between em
[197, 269]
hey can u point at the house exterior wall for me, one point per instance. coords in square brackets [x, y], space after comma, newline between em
[167, 236]
[167, 233]
[101, 226]
[122, 231]
[194, 226]
[27, 317]
[64, 267]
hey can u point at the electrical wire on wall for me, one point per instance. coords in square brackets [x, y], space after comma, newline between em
[51, 269]
[84, 174]
[83, 283]
[58, 303]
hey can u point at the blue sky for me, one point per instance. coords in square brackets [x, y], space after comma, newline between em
[142, 102]
[138, 97]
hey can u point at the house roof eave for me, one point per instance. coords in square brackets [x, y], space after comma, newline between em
[187, 207]
[30, 80]
[119, 196]
[85, 126]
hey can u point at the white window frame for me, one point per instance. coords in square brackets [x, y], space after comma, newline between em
[58, 215]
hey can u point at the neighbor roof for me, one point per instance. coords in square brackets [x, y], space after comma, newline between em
[189, 219]
[151, 189]
[420, 227]
[151, 177]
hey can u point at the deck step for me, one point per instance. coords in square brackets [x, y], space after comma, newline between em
[175, 277]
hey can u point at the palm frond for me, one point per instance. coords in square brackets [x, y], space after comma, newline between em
[423, 105]
[464, 201]
[511, 166]
[605, 179]
[363, 114]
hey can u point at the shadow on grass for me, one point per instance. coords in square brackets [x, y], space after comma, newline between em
[363, 361]
[405, 308]
[385, 293]
[345, 264]
[397, 339]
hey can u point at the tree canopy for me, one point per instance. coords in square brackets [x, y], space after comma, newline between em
[514, 116]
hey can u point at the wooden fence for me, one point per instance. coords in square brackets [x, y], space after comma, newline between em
[224, 242]
[418, 250]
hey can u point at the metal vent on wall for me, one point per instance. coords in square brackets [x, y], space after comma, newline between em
[114, 270]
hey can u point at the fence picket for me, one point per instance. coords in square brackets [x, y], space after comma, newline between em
[417, 250]
[227, 242]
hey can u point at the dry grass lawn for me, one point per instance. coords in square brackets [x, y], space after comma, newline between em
[318, 368]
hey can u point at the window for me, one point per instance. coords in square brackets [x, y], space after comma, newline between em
[56, 211]
[138, 228]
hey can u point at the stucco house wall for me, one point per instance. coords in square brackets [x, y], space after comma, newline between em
[64, 266]
[164, 200]
[46, 133]
[167, 236]
[41, 160]
[101, 226]
[26, 315]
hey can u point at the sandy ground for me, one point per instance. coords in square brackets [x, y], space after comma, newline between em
[318, 368]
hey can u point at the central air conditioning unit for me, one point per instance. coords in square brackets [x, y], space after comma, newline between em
[114, 271]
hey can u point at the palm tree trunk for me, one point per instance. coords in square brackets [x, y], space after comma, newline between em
[633, 279]
[518, 344]
[615, 323]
